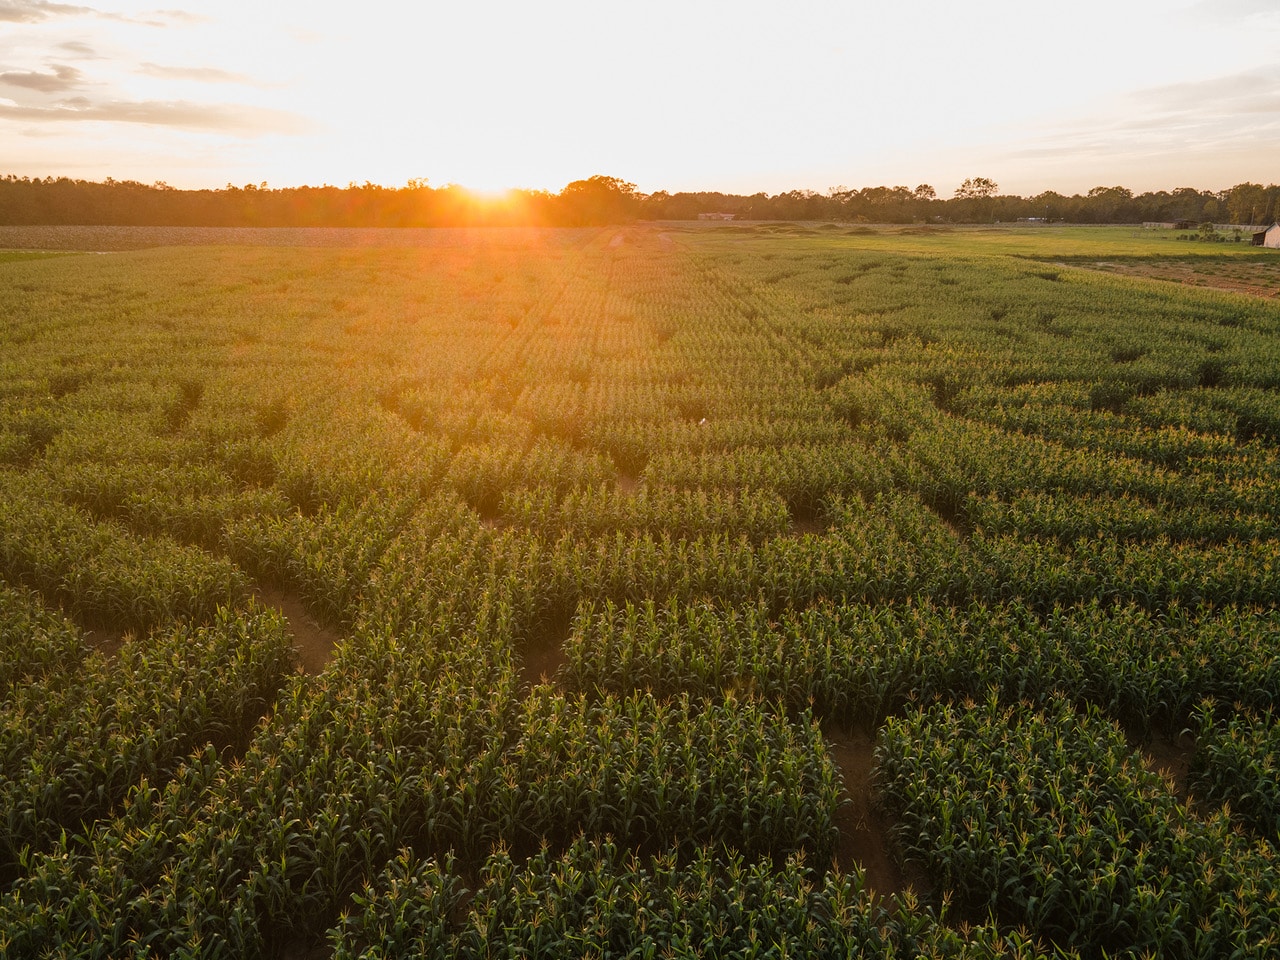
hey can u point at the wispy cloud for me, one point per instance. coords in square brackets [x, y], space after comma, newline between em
[1220, 113]
[77, 49]
[58, 80]
[179, 16]
[201, 74]
[1250, 91]
[33, 11]
[37, 11]
[222, 118]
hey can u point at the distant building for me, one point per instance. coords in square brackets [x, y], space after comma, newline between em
[1269, 237]
[716, 216]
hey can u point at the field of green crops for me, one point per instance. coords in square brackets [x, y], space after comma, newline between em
[612, 546]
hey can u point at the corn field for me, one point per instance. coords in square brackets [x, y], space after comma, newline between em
[609, 538]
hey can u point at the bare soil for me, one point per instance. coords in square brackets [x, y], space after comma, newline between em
[545, 654]
[306, 951]
[1171, 757]
[814, 526]
[107, 641]
[1258, 278]
[313, 641]
[542, 662]
[864, 833]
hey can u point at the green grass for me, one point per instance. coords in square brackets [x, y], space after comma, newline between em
[15, 256]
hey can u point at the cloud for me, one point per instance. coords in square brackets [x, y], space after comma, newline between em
[180, 16]
[222, 118]
[1232, 11]
[81, 50]
[1250, 91]
[33, 11]
[202, 74]
[1227, 113]
[59, 80]
[37, 11]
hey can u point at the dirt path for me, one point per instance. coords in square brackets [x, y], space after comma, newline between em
[1257, 279]
[863, 833]
[545, 653]
[313, 641]
[808, 526]
[107, 641]
[1170, 757]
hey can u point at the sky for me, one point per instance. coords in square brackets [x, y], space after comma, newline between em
[741, 96]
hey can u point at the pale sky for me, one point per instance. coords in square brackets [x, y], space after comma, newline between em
[740, 96]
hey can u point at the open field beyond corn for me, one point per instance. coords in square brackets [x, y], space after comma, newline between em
[757, 590]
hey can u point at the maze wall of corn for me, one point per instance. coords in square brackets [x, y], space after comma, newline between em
[639, 592]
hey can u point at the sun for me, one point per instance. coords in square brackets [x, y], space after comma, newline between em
[488, 190]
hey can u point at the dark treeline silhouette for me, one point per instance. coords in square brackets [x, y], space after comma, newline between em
[597, 200]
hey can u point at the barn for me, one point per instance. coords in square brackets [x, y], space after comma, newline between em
[1269, 237]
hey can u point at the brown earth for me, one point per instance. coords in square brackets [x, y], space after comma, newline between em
[1256, 278]
[813, 526]
[864, 832]
[541, 663]
[107, 641]
[313, 641]
[544, 653]
[1170, 757]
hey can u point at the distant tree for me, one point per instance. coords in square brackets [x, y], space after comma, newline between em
[924, 197]
[1110, 204]
[599, 199]
[1050, 205]
[975, 199]
[977, 188]
[1247, 203]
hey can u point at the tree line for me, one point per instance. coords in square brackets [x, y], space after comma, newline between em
[598, 200]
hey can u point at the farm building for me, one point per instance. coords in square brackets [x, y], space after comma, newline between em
[716, 216]
[1269, 237]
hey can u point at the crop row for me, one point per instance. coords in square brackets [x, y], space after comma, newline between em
[1236, 762]
[35, 643]
[594, 900]
[74, 747]
[1049, 821]
[425, 746]
[101, 572]
[859, 664]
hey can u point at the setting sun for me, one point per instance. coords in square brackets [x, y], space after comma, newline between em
[678, 97]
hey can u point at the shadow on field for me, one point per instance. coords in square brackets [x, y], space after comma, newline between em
[544, 653]
[1168, 756]
[107, 640]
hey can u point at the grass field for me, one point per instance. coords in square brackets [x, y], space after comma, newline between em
[758, 590]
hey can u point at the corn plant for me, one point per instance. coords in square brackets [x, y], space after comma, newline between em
[1048, 820]
[1235, 765]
